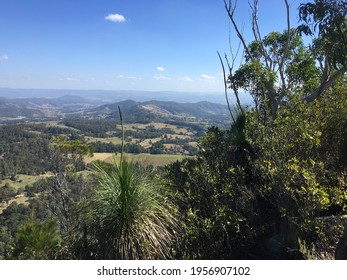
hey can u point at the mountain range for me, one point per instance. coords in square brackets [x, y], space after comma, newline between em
[47, 108]
[162, 111]
[109, 96]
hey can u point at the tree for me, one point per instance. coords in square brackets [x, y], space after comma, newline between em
[66, 189]
[327, 21]
[216, 193]
[36, 240]
[260, 188]
[278, 61]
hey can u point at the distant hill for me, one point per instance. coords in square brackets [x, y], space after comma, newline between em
[33, 108]
[162, 111]
[111, 96]
[10, 109]
[41, 107]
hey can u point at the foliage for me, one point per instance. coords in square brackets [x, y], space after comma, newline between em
[216, 195]
[133, 217]
[7, 192]
[272, 185]
[36, 240]
[6, 241]
[21, 152]
[327, 19]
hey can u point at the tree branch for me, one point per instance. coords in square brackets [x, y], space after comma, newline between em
[324, 85]
[230, 8]
[225, 87]
[256, 32]
[285, 53]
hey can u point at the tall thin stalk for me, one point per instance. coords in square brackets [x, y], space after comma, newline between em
[122, 127]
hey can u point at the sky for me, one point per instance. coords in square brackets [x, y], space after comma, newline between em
[152, 45]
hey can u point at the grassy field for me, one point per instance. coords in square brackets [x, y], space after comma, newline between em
[148, 159]
[113, 140]
[23, 180]
[20, 199]
[157, 125]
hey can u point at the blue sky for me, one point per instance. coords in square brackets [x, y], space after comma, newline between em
[123, 44]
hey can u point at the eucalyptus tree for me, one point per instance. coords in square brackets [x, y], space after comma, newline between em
[66, 188]
[279, 65]
[297, 126]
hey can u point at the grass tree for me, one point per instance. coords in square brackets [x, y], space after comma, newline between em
[134, 216]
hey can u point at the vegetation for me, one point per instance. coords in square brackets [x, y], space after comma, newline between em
[132, 217]
[270, 185]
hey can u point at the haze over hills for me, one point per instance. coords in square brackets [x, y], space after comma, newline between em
[25, 107]
[108, 96]
[44, 104]
[162, 110]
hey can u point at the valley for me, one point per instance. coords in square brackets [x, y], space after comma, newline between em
[156, 133]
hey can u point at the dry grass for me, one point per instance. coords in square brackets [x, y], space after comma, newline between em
[146, 159]
[146, 143]
[21, 199]
[22, 180]
[113, 140]
[98, 156]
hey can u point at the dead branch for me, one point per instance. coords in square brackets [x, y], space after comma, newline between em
[285, 53]
[230, 8]
[225, 87]
[256, 32]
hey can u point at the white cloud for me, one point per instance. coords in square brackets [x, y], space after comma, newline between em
[3, 57]
[115, 18]
[208, 78]
[129, 77]
[72, 79]
[133, 78]
[186, 79]
[161, 78]
[160, 68]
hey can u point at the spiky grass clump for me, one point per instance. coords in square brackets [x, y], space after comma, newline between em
[136, 218]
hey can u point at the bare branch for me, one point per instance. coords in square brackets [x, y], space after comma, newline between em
[256, 32]
[233, 86]
[285, 53]
[232, 55]
[230, 8]
[226, 87]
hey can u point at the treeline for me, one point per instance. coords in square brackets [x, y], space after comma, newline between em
[132, 148]
[93, 127]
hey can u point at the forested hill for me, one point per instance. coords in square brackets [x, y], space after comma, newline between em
[40, 109]
[154, 110]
